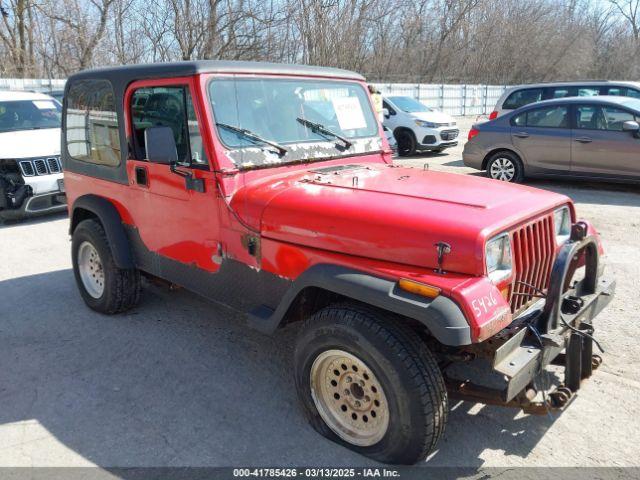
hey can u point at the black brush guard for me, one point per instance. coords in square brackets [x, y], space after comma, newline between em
[558, 334]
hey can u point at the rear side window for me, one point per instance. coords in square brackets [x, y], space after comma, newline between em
[617, 91]
[92, 123]
[633, 93]
[547, 117]
[560, 92]
[520, 98]
[588, 91]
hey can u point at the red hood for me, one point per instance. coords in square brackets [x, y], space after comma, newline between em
[390, 213]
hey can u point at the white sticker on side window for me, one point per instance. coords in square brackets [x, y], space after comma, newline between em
[349, 113]
[44, 104]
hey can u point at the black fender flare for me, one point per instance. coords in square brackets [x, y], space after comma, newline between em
[112, 224]
[441, 316]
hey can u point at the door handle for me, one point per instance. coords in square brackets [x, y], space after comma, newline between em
[142, 177]
[583, 140]
[521, 135]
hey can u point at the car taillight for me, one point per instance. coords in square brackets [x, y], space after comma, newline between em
[493, 115]
[472, 133]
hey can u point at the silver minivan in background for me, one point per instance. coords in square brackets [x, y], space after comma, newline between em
[521, 95]
[577, 137]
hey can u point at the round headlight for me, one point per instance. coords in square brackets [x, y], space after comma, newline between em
[498, 258]
[562, 223]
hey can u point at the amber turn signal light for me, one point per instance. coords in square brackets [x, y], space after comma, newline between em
[418, 288]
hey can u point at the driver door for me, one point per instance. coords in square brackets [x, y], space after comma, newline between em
[172, 218]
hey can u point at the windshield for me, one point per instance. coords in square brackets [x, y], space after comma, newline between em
[304, 119]
[409, 105]
[29, 115]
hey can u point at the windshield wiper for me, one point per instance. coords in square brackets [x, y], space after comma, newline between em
[324, 131]
[254, 137]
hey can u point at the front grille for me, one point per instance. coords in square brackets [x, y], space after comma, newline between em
[54, 165]
[27, 168]
[449, 134]
[40, 166]
[533, 247]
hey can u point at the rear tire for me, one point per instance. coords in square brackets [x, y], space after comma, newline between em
[406, 143]
[403, 406]
[505, 166]
[104, 287]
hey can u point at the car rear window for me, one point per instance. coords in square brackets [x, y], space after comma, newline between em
[91, 123]
[520, 98]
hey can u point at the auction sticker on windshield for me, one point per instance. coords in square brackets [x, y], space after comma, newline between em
[349, 113]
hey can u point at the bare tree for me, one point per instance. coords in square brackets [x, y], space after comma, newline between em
[16, 35]
[473, 41]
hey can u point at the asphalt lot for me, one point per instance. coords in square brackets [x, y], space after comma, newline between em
[181, 382]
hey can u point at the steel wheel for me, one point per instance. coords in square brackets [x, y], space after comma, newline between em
[349, 397]
[90, 269]
[502, 168]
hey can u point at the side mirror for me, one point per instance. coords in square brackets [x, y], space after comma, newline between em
[631, 126]
[385, 112]
[160, 145]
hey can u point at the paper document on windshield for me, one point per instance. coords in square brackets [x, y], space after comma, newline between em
[349, 113]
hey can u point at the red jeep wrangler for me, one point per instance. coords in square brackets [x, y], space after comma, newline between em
[270, 188]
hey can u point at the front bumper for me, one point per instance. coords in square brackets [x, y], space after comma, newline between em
[432, 138]
[36, 205]
[553, 332]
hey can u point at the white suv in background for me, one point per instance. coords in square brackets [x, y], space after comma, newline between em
[418, 127]
[31, 180]
[521, 95]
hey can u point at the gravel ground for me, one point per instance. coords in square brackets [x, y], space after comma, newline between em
[181, 382]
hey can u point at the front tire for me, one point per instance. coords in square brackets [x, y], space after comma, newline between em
[406, 143]
[104, 287]
[505, 166]
[368, 382]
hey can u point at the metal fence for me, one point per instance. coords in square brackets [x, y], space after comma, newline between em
[35, 84]
[452, 99]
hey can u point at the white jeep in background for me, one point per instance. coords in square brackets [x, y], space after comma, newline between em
[31, 179]
[417, 127]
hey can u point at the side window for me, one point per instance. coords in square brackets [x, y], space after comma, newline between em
[613, 118]
[92, 123]
[548, 117]
[633, 93]
[588, 91]
[520, 98]
[560, 92]
[388, 107]
[591, 117]
[520, 120]
[168, 107]
[617, 91]
[587, 117]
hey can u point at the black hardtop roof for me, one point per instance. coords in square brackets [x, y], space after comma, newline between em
[128, 73]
